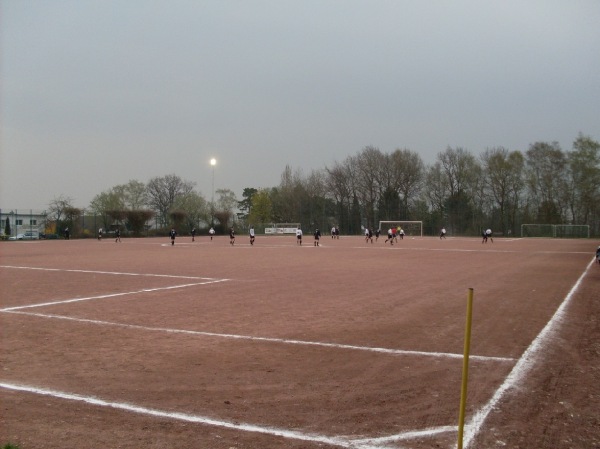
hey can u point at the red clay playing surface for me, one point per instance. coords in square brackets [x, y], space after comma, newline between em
[205, 345]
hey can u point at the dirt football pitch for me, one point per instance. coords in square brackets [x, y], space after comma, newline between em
[142, 344]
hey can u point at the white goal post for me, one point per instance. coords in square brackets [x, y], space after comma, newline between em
[555, 231]
[412, 228]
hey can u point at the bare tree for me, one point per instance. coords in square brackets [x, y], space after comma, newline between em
[163, 191]
[287, 197]
[436, 191]
[458, 166]
[314, 186]
[546, 179]
[584, 170]
[196, 208]
[134, 194]
[408, 173]
[56, 208]
[503, 180]
[341, 187]
[369, 169]
[462, 175]
[226, 205]
[57, 211]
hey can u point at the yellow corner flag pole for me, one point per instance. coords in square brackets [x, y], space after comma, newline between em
[465, 372]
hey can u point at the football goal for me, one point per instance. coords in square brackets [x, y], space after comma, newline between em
[556, 231]
[411, 228]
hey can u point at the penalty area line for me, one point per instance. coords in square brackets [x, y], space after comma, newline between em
[111, 295]
[63, 270]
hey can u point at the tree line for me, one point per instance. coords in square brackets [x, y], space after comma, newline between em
[499, 189]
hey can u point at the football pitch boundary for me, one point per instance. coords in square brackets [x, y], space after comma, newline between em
[520, 369]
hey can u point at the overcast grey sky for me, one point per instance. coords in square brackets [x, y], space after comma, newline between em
[97, 92]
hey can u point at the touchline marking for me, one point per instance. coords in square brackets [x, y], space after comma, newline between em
[106, 272]
[524, 364]
[361, 443]
[291, 434]
[112, 295]
[265, 339]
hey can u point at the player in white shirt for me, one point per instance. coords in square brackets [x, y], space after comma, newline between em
[390, 234]
[487, 234]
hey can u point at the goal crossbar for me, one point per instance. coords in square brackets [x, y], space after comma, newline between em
[410, 227]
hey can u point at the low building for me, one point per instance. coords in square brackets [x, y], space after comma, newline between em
[22, 221]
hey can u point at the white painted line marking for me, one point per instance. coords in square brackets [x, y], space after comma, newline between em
[267, 339]
[291, 434]
[112, 295]
[106, 272]
[523, 365]
[408, 435]
[362, 443]
[466, 250]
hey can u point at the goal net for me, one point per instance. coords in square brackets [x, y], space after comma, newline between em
[411, 228]
[555, 231]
